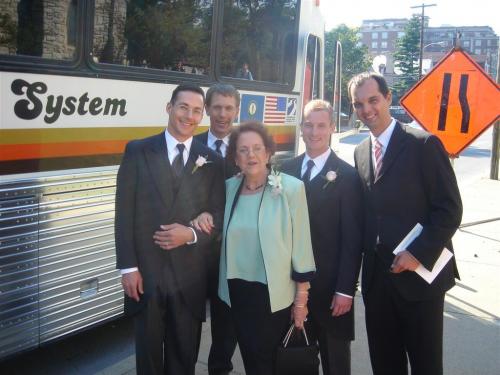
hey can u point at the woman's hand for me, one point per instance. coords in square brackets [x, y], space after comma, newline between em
[299, 308]
[299, 315]
[204, 222]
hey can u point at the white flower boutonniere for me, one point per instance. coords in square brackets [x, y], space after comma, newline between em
[331, 176]
[274, 180]
[200, 162]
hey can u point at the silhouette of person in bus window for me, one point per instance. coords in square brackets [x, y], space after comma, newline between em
[244, 72]
[179, 67]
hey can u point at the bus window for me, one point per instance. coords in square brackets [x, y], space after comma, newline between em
[154, 34]
[39, 28]
[312, 81]
[261, 35]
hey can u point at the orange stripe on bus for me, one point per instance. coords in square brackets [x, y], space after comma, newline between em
[68, 149]
[53, 150]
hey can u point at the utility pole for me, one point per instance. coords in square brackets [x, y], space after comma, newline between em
[423, 6]
[495, 147]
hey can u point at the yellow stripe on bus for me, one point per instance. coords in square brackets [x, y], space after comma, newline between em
[60, 135]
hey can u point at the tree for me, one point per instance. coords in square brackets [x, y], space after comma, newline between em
[406, 57]
[356, 59]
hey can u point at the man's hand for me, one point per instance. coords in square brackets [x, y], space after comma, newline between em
[132, 285]
[340, 305]
[203, 223]
[173, 235]
[404, 261]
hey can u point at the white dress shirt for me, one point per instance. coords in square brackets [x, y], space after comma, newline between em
[172, 149]
[212, 139]
[319, 163]
[384, 139]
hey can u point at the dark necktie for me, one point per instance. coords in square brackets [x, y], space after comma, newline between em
[306, 177]
[178, 163]
[218, 144]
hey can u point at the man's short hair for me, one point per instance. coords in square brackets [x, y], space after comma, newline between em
[318, 105]
[224, 90]
[361, 78]
[186, 87]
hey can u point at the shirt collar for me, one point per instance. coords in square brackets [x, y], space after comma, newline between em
[319, 161]
[172, 145]
[385, 137]
[212, 138]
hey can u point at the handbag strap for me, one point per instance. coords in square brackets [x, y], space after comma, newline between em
[286, 339]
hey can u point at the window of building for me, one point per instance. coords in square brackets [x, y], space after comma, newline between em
[269, 49]
[477, 42]
[384, 35]
[154, 34]
[466, 43]
[374, 44]
[477, 51]
[374, 35]
[383, 44]
[29, 28]
[401, 34]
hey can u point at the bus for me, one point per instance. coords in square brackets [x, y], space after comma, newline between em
[78, 80]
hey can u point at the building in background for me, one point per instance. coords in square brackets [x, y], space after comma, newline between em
[380, 37]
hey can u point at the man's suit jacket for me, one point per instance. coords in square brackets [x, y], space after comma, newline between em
[149, 195]
[336, 219]
[230, 168]
[416, 185]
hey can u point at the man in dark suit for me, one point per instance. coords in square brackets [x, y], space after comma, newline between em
[222, 106]
[161, 187]
[334, 198]
[408, 179]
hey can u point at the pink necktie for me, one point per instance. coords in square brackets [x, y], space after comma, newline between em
[378, 157]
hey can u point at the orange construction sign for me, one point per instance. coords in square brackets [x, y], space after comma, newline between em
[456, 101]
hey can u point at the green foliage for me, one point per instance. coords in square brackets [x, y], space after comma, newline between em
[406, 57]
[356, 59]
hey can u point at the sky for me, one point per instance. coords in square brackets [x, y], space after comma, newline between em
[446, 12]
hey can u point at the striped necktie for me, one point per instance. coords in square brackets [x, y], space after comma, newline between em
[378, 157]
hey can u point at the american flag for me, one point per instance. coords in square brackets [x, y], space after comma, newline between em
[275, 110]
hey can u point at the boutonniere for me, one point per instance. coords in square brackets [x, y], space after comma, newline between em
[330, 176]
[200, 162]
[274, 181]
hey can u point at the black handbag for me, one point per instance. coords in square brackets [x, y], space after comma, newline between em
[296, 355]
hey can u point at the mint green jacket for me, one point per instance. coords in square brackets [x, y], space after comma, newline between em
[284, 236]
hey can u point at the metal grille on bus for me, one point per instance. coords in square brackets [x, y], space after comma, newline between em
[73, 268]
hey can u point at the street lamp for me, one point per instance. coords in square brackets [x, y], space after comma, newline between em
[442, 44]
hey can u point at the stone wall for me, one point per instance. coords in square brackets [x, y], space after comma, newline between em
[8, 27]
[110, 45]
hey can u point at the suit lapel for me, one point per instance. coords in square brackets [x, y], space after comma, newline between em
[159, 167]
[318, 182]
[188, 178]
[364, 162]
[296, 166]
[396, 145]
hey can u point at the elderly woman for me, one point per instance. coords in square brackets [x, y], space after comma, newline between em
[266, 258]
